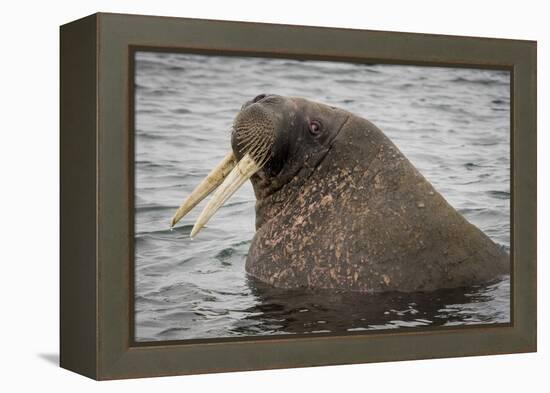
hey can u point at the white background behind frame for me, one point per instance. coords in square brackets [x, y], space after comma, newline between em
[29, 162]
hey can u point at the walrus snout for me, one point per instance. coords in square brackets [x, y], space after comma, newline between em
[253, 133]
[252, 140]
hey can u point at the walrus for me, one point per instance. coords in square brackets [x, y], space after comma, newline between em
[338, 206]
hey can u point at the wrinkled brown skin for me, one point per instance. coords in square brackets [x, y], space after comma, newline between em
[362, 218]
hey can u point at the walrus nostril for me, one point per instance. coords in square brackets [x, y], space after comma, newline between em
[259, 98]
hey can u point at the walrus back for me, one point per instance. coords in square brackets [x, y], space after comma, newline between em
[367, 220]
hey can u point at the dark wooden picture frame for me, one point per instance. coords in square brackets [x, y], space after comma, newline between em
[97, 195]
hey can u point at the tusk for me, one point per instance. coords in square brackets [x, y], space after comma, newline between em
[241, 173]
[209, 184]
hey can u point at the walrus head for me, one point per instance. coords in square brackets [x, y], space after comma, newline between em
[275, 141]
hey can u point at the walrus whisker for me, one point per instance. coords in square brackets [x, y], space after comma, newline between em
[247, 138]
[263, 153]
[258, 149]
[244, 142]
[255, 143]
[246, 130]
[249, 135]
[259, 154]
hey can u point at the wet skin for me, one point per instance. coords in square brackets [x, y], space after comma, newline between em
[340, 207]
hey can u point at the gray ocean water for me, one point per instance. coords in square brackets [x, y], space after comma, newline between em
[452, 123]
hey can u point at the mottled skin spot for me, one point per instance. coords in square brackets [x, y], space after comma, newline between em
[350, 212]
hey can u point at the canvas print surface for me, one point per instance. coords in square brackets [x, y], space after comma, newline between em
[373, 197]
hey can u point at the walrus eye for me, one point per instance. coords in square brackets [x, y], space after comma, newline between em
[315, 127]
